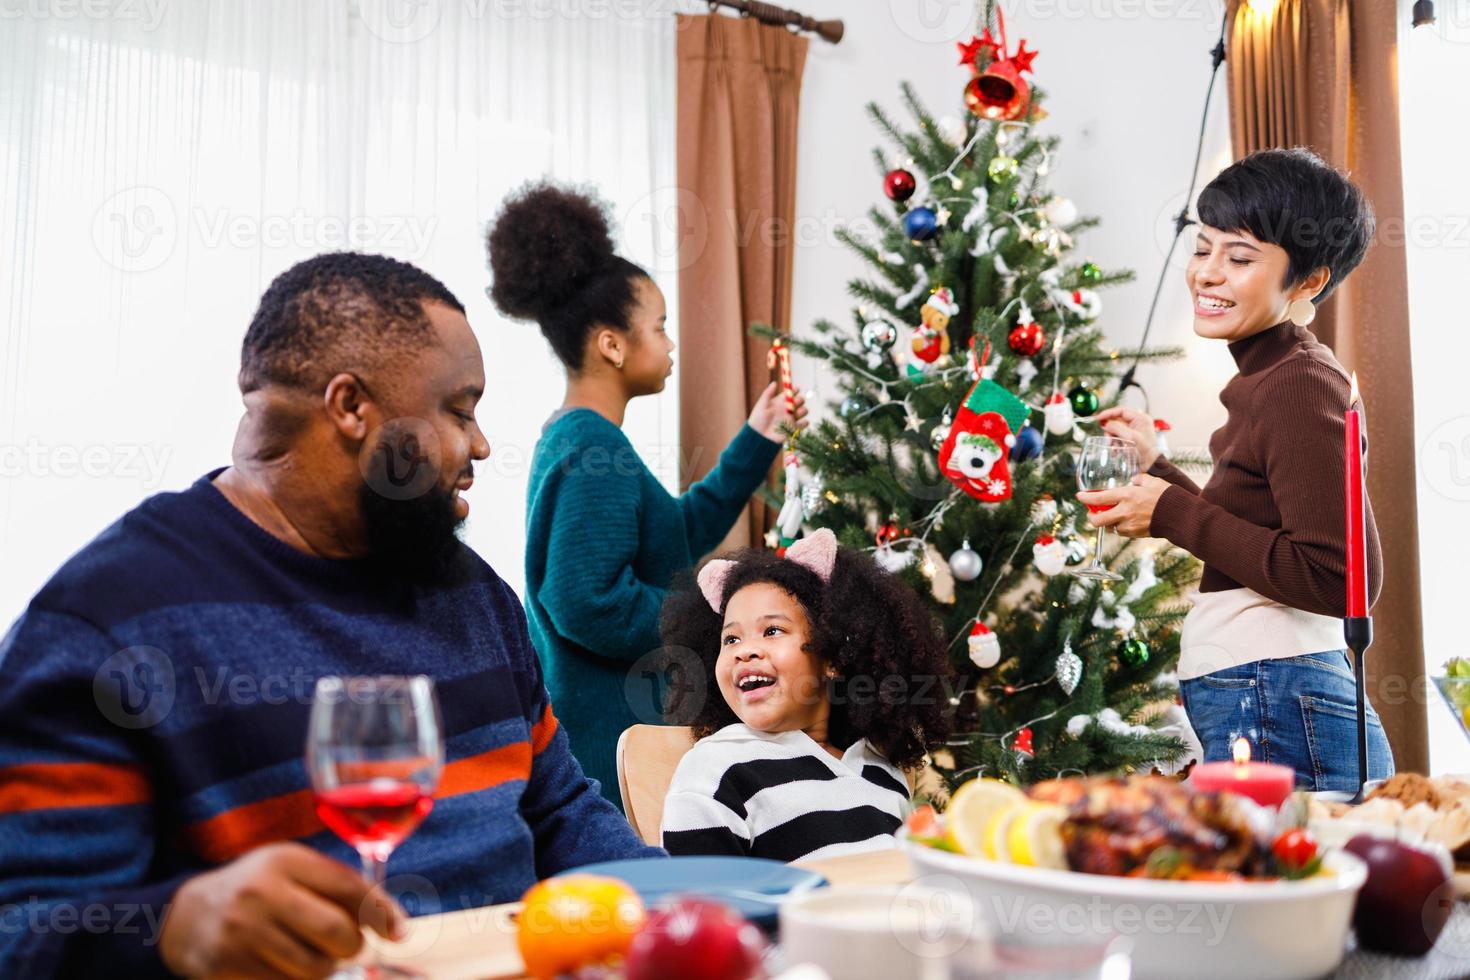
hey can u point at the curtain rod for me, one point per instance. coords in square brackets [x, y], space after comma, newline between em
[769, 13]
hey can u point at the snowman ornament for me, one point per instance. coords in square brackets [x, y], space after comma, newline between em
[788, 521]
[984, 647]
[1059, 415]
[1049, 554]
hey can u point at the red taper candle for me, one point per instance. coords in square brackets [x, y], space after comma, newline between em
[1357, 520]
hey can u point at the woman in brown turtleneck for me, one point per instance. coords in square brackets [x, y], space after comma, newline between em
[1263, 653]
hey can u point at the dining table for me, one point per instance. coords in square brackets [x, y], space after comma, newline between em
[480, 943]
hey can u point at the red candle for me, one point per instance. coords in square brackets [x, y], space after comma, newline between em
[1357, 521]
[1267, 783]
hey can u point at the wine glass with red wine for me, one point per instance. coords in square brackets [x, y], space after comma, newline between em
[1105, 464]
[374, 749]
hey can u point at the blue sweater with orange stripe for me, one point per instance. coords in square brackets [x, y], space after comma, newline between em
[153, 705]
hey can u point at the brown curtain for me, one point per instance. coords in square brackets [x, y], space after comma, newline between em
[739, 91]
[1323, 74]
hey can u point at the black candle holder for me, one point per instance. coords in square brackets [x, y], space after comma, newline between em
[1358, 630]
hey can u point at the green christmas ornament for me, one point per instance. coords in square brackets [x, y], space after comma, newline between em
[1133, 652]
[1091, 274]
[1014, 201]
[1084, 401]
[1003, 169]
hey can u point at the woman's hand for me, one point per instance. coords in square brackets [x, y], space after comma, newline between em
[1131, 425]
[773, 418]
[1131, 508]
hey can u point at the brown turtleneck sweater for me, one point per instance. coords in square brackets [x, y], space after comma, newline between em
[1272, 518]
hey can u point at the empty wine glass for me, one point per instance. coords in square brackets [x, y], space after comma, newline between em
[374, 749]
[1105, 463]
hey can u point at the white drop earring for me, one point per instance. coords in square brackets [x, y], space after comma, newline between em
[1301, 312]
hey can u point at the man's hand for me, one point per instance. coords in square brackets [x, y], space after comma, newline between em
[1131, 425]
[281, 910]
[1131, 508]
[773, 418]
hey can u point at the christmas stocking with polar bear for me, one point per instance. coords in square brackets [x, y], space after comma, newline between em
[973, 456]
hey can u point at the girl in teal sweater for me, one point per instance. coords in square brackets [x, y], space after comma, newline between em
[603, 537]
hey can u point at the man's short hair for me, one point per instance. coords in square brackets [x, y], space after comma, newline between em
[338, 312]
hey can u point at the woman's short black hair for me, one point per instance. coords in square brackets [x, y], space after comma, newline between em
[1294, 199]
[552, 261]
[893, 677]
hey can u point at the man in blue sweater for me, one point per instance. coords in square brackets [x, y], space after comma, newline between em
[155, 811]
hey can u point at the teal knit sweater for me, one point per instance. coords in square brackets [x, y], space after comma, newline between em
[603, 541]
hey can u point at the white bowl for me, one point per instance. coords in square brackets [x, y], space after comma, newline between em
[1275, 930]
[888, 933]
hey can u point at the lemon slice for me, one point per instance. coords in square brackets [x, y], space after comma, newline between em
[997, 846]
[1034, 836]
[971, 809]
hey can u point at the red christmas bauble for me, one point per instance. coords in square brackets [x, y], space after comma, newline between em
[887, 534]
[1023, 744]
[1027, 339]
[899, 185]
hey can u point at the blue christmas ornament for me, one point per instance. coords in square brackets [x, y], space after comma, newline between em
[1028, 445]
[920, 224]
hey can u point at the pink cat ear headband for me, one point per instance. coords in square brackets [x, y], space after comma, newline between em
[818, 553]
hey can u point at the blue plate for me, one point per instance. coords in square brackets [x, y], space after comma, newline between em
[754, 887]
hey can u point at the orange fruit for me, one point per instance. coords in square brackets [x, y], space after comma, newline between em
[576, 921]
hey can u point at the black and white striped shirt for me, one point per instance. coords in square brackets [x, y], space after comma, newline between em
[781, 796]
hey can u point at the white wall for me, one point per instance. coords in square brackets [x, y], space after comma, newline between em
[1434, 72]
[1125, 94]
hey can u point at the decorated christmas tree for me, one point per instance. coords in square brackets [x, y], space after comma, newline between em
[970, 371]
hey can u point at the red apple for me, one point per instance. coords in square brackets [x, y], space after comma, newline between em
[696, 938]
[1406, 900]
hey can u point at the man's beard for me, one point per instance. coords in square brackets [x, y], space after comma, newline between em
[408, 516]
[417, 538]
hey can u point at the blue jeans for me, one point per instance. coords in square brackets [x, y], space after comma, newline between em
[1297, 711]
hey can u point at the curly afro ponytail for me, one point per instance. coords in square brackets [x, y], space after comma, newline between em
[552, 261]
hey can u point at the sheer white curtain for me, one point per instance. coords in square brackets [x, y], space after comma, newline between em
[160, 163]
[1434, 89]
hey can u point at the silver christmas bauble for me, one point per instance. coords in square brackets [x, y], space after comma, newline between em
[813, 497]
[966, 564]
[938, 436]
[1069, 670]
[879, 335]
